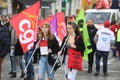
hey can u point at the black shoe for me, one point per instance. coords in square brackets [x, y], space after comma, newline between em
[26, 78]
[96, 74]
[89, 70]
[22, 75]
[105, 74]
[10, 72]
[31, 78]
[115, 56]
[13, 75]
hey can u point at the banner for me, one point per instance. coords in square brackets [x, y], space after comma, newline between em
[54, 25]
[25, 24]
[80, 20]
[61, 26]
[89, 2]
[103, 4]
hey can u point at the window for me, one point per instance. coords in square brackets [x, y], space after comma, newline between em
[98, 18]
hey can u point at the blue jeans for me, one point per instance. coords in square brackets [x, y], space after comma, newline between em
[13, 63]
[43, 67]
[100, 54]
[30, 68]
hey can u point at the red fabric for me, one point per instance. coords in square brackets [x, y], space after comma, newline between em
[89, 2]
[74, 59]
[99, 4]
[114, 29]
[43, 43]
[103, 4]
[25, 24]
[119, 53]
[106, 4]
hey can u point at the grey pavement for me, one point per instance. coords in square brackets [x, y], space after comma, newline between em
[113, 71]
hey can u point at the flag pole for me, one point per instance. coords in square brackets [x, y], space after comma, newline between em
[30, 58]
[59, 56]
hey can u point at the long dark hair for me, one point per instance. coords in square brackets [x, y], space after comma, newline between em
[75, 26]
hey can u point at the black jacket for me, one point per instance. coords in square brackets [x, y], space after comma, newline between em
[4, 41]
[92, 31]
[79, 46]
[54, 46]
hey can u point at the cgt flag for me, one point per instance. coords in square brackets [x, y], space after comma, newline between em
[25, 24]
[80, 20]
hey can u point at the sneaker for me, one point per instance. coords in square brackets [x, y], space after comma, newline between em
[26, 78]
[115, 56]
[10, 72]
[31, 78]
[13, 75]
[105, 74]
[22, 75]
[89, 70]
[96, 74]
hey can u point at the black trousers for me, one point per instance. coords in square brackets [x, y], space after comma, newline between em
[91, 59]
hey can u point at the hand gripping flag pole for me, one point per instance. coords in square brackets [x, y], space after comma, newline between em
[59, 56]
[25, 70]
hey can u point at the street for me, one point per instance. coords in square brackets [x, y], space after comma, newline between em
[113, 71]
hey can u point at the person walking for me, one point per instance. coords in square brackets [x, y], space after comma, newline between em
[4, 41]
[118, 40]
[91, 31]
[30, 68]
[72, 40]
[114, 27]
[48, 45]
[104, 38]
[16, 52]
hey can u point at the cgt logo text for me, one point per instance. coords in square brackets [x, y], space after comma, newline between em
[27, 34]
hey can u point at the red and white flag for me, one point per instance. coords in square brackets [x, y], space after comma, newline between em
[103, 4]
[106, 4]
[99, 4]
[89, 2]
[25, 24]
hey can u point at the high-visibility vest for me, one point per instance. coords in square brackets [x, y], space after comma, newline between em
[118, 35]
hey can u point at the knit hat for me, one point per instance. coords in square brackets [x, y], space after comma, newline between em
[106, 23]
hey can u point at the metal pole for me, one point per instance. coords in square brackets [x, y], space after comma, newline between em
[30, 58]
[59, 56]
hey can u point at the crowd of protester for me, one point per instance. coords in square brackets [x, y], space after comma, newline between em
[9, 43]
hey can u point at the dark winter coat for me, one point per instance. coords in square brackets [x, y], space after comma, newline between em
[54, 46]
[4, 40]
[92, 31]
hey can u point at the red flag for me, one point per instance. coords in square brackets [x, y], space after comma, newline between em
[89, 2]
[106, 4]
[25, 24]
[48, 19]
[61, 25]
[103, 4]
[99, 4]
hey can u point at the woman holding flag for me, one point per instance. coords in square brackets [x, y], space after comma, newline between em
[48, 45]
[72, 40]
